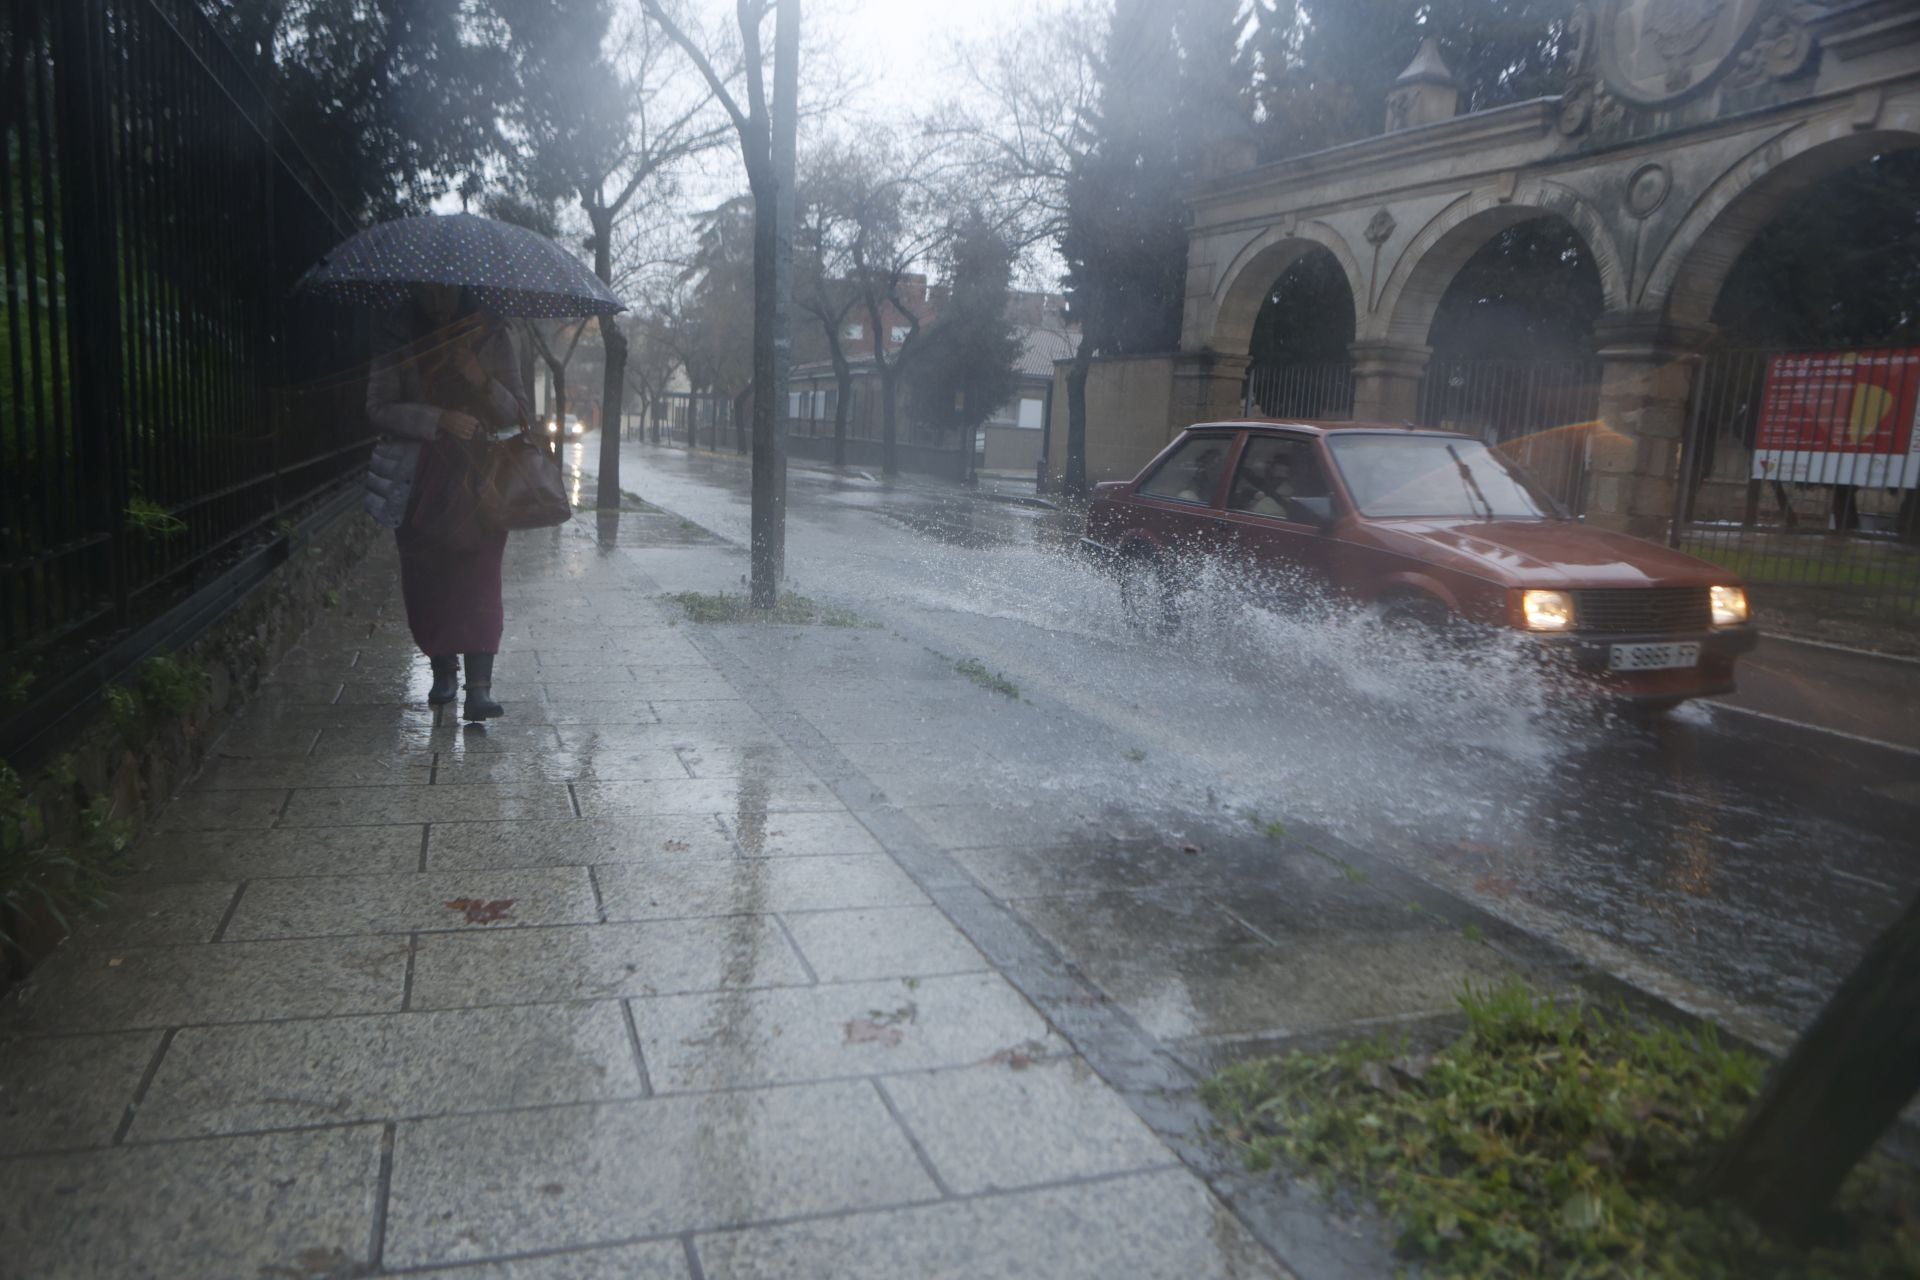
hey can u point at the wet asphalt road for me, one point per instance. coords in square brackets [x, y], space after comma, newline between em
[1734, 863]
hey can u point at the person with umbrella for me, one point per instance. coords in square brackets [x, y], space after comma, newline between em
[447, 374]
[447, 377]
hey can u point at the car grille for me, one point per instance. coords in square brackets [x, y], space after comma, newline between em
[1643, 609]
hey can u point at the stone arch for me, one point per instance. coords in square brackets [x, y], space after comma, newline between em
[1403, 313]
[1685, 280]
[1244, 286]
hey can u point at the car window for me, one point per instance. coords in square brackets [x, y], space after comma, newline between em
[1190, 473]
[1274, 472]
[1413, 475]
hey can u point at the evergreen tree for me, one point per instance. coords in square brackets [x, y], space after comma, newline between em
[970, 364]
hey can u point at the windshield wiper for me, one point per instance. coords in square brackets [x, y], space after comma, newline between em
[1466, 478]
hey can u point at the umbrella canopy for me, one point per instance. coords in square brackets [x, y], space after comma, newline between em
[512, 271]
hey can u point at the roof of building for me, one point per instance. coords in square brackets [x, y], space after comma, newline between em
[1041, 346]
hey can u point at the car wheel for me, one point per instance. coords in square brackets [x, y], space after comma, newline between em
[1147, 593]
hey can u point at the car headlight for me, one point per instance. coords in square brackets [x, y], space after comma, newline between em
[1729, 605]
[1547, 610]
[553, 428]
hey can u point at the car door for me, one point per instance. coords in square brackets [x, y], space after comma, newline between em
[1277, 511]
[1177, 503]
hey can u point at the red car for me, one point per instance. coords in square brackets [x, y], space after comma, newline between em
[1430, 528]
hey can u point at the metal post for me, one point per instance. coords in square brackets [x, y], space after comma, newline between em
[88, 225]
[770, 445]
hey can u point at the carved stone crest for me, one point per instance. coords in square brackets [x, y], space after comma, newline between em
[1653, 52]
[1380, 227]
[1647, 189]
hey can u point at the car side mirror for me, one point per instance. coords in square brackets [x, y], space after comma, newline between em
[1317, 512]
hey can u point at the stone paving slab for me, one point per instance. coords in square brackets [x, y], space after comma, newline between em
[242, 855]
[300, 1202]
[652, 1260]
[156, 914]
[1002, 1125]
[705, 795]
[228, 982]
[882, 942]
[376, 806]
[277, 1075]
[482, 1186]
[247, 773]
[577, 842]
[526, 966]
[662, 889]
[800, 834]
[1153, 1226]
[69, 1091]
[337, 905]
[736, 1039]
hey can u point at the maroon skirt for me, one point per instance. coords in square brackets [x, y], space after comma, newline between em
[452, 597]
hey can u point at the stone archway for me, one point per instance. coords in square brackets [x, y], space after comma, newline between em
[1249, 278]
[1685, 280]
[1403, 314]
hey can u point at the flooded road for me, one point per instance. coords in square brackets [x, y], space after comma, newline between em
[1737, 865]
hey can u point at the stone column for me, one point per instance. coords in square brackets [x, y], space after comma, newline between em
[1208, 386]
[1386, 381]
[1633, 459]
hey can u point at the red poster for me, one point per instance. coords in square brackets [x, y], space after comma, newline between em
[1841, 417]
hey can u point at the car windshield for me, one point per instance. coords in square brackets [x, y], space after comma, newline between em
[1413, 475]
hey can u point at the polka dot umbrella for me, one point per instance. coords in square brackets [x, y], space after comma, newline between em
[511, 271]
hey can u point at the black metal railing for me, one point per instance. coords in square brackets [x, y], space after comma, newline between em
[1540, 413]
[1803, 467]
[1315, 392]
[163, 401]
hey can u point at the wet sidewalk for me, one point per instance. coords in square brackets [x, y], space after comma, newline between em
[648, 979]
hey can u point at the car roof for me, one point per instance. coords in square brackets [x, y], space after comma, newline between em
[1323, 427]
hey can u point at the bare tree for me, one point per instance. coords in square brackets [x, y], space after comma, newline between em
[611, 114]
[823, 288]
[1024, 132]
[766, 127]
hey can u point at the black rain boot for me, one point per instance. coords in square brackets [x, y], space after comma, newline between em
[446, 681]
[480, 704]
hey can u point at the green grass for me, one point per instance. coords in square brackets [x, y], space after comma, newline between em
[976, 671]
[790, 609]
[1547, 1140]
[1827, 564]
[37, 874]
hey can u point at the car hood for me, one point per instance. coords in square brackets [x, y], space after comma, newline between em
[1547, 553]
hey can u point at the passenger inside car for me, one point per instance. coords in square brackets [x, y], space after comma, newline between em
[1272, 474]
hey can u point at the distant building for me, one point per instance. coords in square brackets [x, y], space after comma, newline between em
[1009, 440]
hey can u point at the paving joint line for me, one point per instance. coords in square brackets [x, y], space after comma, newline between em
[140, 1090]
[406, 983]
[913, 1141]
[639, 1054]
[233, 905]
[695, 1271]
[806, 966]
[383, 1193]
[426, 834]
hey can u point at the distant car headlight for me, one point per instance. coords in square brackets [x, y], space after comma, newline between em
[574, 429]
[1729, 605]
[553, 428]
[1547, 610]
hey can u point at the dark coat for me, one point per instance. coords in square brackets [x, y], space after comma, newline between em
[413, 384]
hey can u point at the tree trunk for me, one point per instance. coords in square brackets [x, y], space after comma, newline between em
[1073, 480]
[1824, 1107]
[843, 402]
[613, 381]
[889, 420]
[612, 391]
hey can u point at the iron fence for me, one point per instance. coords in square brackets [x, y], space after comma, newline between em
[701, 420]
[1802, 467]
[1540, 413]
[1313, 391]
[163, 402]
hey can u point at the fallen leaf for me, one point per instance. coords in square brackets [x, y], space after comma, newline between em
[114, 963]
[1189, 848]
[481, 911]
[552, 1188]
[677, 846]
[1497, 886]
[1017, 1059]
[1413, 1067]
[863, 1031]
[894, 1017]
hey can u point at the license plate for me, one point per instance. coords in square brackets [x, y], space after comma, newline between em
[1652, 657]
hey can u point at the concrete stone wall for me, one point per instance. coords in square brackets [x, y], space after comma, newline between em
[98, 761]
[1130, 415]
